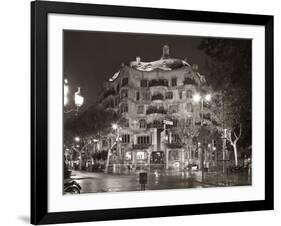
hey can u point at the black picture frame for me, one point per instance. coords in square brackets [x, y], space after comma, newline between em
[39, 112]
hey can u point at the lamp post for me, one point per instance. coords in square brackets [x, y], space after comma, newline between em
[166, 137]
[116, 128]
[78, 99]
[197, 98]
[77, 140]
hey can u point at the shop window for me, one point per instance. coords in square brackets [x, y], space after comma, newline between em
[128, 155]
[141, 155]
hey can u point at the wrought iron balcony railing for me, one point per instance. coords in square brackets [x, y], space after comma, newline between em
[140, 146]
[109, 92]
[155, 110]
[157, 96]
[175, 145]
[159, 82]
[189, 81]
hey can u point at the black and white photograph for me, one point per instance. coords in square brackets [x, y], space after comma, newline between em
[140, 112]
[149, 112]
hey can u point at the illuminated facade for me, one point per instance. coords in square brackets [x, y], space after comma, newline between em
[150, 97]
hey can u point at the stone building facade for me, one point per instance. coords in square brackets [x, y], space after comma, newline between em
[150, 97]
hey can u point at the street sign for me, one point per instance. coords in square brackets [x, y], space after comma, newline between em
[167, 122]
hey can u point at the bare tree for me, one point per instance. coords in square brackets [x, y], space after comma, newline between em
[233, 138]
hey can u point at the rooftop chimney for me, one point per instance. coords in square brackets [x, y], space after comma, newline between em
[138, 59]
[195, 67]
[166, 52]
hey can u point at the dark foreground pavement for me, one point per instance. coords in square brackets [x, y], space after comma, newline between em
[101, 182]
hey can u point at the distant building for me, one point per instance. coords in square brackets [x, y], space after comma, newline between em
[148, 94]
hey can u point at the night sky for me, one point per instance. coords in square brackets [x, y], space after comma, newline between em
[92, 57]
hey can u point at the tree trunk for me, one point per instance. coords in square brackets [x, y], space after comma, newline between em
[235, 154]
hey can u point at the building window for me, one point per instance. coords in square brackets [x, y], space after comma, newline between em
[125, 81]
[142, 123]
[137, 95]
[141, 155]
[174, 155]
[111, 103]
[175, 138]
[124, 122]
[124, 108]
[169, 95]
[144, 83]
[173, 108]
[104, 143]
[189, 94]
[140, 109]
[189, 107]
[146, 95]
[116, 101]
[180, 94]
[143, 140]
[174, 82]
[189, 121]
[125, 138]
[124, 93]
[175, 123]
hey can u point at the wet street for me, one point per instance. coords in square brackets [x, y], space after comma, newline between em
[101, 182]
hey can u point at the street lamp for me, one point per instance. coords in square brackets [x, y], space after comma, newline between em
[198, 98]
[114, 126]
[77, 139]
[65, 91]
[208, 97]
[78, 98]
[117, 128]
